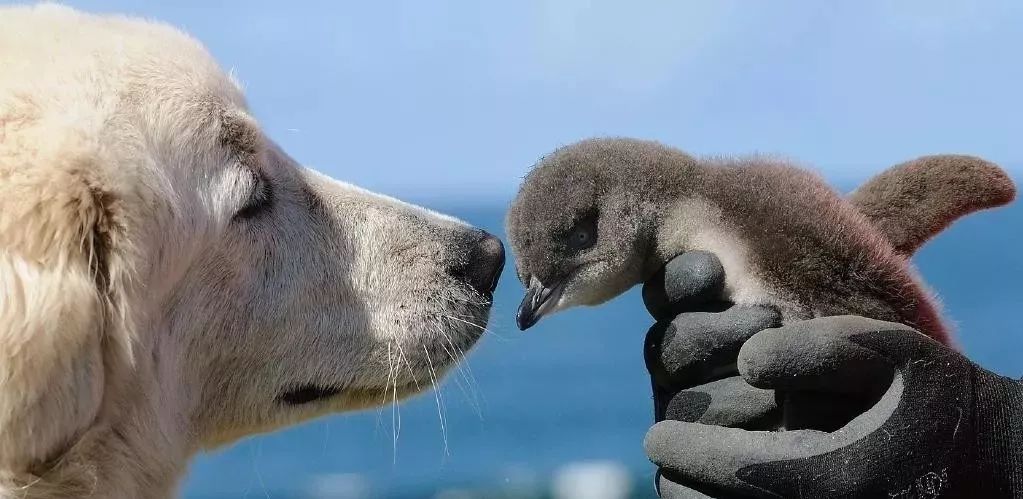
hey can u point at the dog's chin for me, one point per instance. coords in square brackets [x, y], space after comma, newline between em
[367, 398]
[330, 398]
[421, 364]
[416, 363]
[429, 350]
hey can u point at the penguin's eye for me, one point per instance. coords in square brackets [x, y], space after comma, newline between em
[582, 237]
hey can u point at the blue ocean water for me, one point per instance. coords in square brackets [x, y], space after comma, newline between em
[572, 389]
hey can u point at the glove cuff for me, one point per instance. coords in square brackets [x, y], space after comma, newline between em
[999, 419]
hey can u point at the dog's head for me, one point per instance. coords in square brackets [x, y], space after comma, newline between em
[162, 260]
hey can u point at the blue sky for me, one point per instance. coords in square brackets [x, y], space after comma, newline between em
[456, 99]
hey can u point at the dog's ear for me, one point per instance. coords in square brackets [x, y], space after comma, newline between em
[913, 201]
[57, 232]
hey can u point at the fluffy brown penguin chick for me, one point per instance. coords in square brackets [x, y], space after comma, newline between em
[597, 217]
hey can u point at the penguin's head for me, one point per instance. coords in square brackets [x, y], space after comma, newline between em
[583, 222]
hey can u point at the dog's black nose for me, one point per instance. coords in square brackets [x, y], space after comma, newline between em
[483, 264]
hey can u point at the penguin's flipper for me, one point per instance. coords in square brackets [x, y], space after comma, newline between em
[913, 201]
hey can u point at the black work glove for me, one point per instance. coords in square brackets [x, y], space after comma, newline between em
[694, 343]
[691, 352]
[938, 425]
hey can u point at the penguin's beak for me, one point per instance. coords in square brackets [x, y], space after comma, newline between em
[538, 302]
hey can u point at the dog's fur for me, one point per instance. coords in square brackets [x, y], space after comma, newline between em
[785, 238]
[145, 312]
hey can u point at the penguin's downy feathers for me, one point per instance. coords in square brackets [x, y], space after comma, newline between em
[597, 217]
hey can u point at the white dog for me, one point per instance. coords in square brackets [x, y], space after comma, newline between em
[170, 280]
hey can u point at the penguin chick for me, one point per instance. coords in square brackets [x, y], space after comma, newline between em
[597, 217]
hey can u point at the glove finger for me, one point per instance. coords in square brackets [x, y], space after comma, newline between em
[668, 487]
[689, 282]
[818, 355]
[727, 402]
[712, 455]
[699, 346]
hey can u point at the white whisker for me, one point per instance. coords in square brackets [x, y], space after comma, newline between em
[470, 378]
[395, 411]
[440, 405]
[411, 372]
[461, 366]
[473, 324]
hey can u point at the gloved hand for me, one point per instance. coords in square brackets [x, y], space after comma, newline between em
[691, 352]
[693, 347]
[936, 425]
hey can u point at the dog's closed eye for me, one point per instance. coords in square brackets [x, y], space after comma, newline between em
[260, 200]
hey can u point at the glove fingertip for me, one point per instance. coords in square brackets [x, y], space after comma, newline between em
[671, 487]
[658, 442]
[687, 282]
